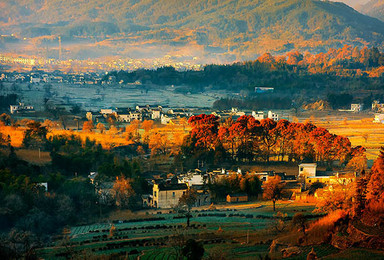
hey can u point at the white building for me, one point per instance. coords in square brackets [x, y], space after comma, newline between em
[124, 118]
[192, 179]
[35, 80]
[21, 107]
[165, 119]
[379, 118]
[259, 115]
[377, 106]
[135, 115]
[273, 116]
[156, 114]
[107, 111]
[307, 169]
[167, 195]
[356, 107]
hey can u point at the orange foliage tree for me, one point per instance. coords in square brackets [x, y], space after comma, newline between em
[375, 189]
[272, 189]
[123, 192]
[88, 126]
[248, 139]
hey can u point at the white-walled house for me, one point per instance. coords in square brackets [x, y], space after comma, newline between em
[307, 169]
[167, 195]
[21, 107]
[356, 107]
[273, 116]
[379, 118]
[259, 115]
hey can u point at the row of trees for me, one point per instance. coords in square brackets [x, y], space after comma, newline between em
[247, 140]
[294, 70]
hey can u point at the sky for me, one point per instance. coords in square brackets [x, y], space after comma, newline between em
[353, 3]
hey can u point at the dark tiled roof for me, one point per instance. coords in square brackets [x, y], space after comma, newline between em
[178, 186]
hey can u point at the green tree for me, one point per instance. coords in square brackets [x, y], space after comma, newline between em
[193, 250]
[35, 135]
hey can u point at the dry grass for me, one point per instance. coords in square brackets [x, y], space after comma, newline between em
[106, 139]
[319, 230]
[359, 131]
[34, 156]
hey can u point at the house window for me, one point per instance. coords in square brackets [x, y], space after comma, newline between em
[173, 194]
[301, 169]
[155, 194]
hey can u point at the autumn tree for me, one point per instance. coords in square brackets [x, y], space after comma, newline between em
[147, 125]
[204, 130]
[132, 131]
[100, 127]
[358, 162]
[375, 189]
[300, 221]
[158, 143]
[123, 192]
[186, 202]
[339, 196]
[88, 126]
[269, 136]
[4, 140]
[272, 189]
[5, 119]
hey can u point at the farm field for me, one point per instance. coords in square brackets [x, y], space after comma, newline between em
[94, 97]
[360, 132]
[242, 233]
[224, 226]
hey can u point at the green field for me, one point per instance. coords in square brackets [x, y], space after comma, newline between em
[235, 234]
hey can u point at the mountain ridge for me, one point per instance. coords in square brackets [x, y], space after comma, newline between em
[374, 8]
[241, 29]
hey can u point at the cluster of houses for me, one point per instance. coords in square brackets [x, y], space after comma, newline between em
[21, 108]
[141, 113]
[166, 193]
[158, 113]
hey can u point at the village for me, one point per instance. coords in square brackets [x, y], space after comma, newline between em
[152, 184]
[305, 186]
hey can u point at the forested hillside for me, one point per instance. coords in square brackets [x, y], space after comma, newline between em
[244, 29]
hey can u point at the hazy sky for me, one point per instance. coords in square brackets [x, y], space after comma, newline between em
[353, 3]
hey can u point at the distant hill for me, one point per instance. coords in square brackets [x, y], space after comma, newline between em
[234, 29]
[374, 8]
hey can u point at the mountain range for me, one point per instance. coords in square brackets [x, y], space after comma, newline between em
[230, 29]
[374, 8]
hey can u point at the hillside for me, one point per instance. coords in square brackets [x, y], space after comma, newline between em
[232, 29]
[374, 8]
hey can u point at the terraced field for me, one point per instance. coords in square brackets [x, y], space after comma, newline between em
[145, 236]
